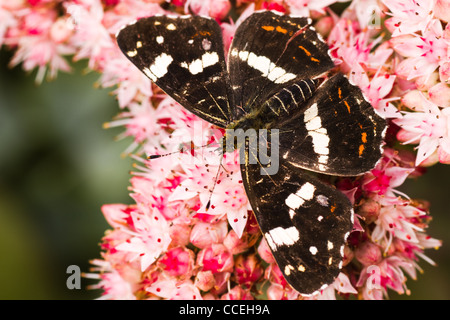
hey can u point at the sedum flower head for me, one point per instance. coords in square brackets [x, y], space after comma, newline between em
[191, 233]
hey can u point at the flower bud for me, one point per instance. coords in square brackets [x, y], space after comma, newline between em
[235, 244]
[425, 82]
[264, 252]
[247, 270]
[442, 10]
[440, 95]
[444, 72]
[413, 100]
[370, 210]
[203, 234]
[368, 253]
[180, 233]
[205, 280]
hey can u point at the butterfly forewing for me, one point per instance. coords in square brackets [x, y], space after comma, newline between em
[184, 56]
[269, 51]
[336, 132]
[304, 221]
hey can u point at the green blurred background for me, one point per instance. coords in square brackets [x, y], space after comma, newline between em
[58, 166]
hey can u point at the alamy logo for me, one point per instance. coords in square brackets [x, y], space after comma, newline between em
[254, 148]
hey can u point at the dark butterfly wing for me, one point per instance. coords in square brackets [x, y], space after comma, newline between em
[184, 56]
[335, 132]
[304, 221]
[270, 51]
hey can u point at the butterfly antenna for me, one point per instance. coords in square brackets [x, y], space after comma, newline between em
[214, 186]
[192, 147]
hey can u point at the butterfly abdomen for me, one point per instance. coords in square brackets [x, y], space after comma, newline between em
[279, 104]
[288, 99]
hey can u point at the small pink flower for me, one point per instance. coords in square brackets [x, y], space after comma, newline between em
[117, 283]
[116, 214]
[377, 90]
[203, 234]
[91, 37]
[169, 288]
[423, 53]
[379, 183]
[230, 197]
[215, 258]
[131, 83]
[177, 262]
[429, 127]
[408, 16]
[386, 176]
[396, 220]
[150, 237]
[115, 287]
[389, 273]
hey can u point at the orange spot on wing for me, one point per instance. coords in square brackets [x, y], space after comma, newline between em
[332, 208]
[361, 149]
[201, 33]
[309, 54]
[340, 93]
[348, 106]
[364, 137]
[306, 51]
[280, 29]
[268, 28]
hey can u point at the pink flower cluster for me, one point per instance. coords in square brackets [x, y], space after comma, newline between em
[167, 245]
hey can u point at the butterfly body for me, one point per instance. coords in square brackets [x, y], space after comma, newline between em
[271, 85]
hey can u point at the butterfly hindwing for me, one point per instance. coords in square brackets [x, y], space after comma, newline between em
[304, 221]
[335, 132]
[269, 51]
[184, 56]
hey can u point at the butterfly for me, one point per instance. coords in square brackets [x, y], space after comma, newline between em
[277, 78]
